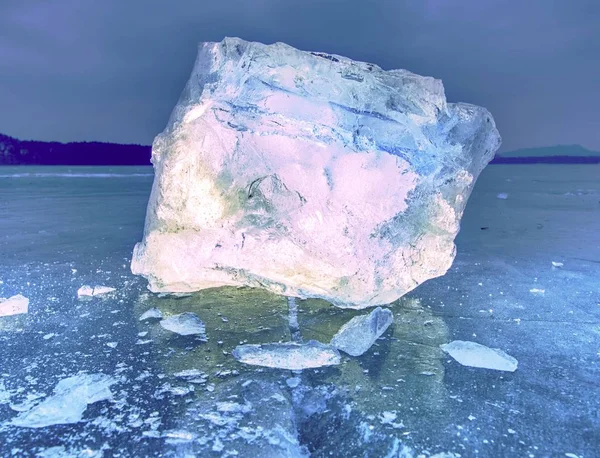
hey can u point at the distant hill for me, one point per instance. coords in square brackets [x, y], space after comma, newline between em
[20, 152]
[559, 154]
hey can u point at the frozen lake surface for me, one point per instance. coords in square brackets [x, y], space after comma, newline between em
[164, 394]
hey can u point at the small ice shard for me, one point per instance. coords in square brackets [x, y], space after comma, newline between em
[152, 313]
[293, 382]
[502, 196]
[185, 324]
[69, 401]
[473, 354]
[537, 291]
[14, 305]
[557, 264]
[361, 332]
[192, 376]
[99, 290]
[289, 355]
[89, 291]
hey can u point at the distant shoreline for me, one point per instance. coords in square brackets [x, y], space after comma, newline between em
[549, 160]
[499, 160]
[15, 152]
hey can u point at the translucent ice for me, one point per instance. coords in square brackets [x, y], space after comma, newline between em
[89, 291]
[69, 401]
[358, 334]
[289, 355]
[476, 355]
[13, 305]
[185, 324]
[309, 174]
[152, 313]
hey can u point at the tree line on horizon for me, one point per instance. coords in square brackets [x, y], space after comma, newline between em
[30, 152]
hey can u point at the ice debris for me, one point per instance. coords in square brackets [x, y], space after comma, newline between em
[152, 313]
[288, 355]
[502, 196]
[361, 332]
[557, 264]
[473, 354]
[14, 305]
[192, 376]
[537, 291]
[69, 401]
[89, 291]
[185, 324]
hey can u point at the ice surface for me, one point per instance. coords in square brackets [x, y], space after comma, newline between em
[69, 401]
[289, 355]
[185, 324]
[361, 332]
[311, 175]
[14, 305]
[476, 355]
[89, 291]
[152, 313]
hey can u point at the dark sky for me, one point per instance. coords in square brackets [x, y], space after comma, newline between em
[112, 70]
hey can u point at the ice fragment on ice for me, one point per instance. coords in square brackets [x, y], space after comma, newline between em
[192, 376]
[69, 401]
[361, 332]
[502, 195]
[289, 355]
[89, 291]
[14, 305]
[185, 324]
[152, 313]
[557, 264]
[537, 291]
[473, 354]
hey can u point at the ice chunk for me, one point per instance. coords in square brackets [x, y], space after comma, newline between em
[152, 313]
[256, 177]
[14, 305]
[502, 196]
[69, 401]
[473, 354]
[358, 334]
[557, 264]
[289, 355]
[88, 291]
[185, 324]
[537, 291]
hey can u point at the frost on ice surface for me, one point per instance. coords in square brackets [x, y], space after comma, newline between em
[289, 355]
[185, 324]
[361, 332]
[473, 354]
[69, 401]
[152, 313]
[89, 291]
[14, 305]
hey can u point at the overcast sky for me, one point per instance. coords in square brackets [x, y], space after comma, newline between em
[112, 70]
